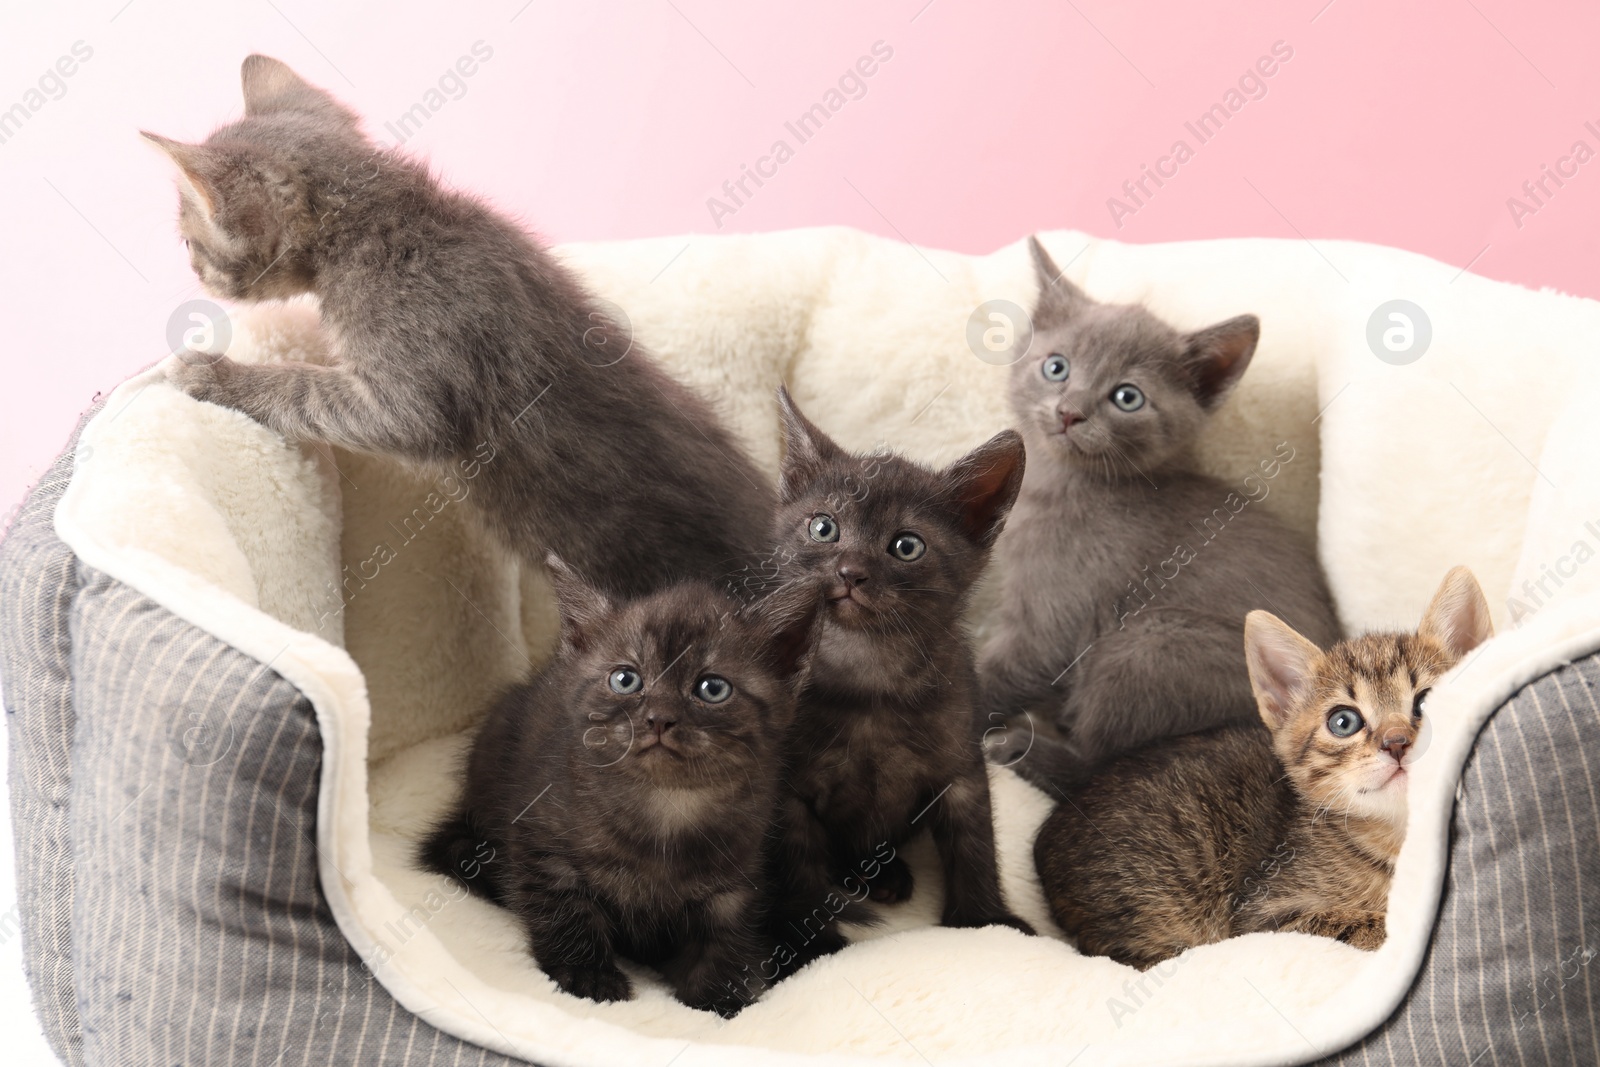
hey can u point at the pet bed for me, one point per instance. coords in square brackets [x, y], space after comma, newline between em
[237, 673]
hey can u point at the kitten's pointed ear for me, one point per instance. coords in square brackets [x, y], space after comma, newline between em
[1458, 617]
[583, 607]
[1058, 299]
[194, 165]
[1218, 355]
[790, 618]
[984, 483]
[1280, 663]
[269, 85]
[806, 449]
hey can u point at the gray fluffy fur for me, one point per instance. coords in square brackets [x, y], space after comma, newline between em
[1098, 647]
[458, 340]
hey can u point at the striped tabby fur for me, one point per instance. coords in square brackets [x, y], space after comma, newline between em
[1240, 829]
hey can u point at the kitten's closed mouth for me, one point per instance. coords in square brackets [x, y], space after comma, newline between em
[847, 605]
[1068, 439]
[1398, 775]
[653, 744]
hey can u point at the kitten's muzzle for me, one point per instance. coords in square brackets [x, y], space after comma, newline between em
[845, 594]
[659, 724]
[851, 575]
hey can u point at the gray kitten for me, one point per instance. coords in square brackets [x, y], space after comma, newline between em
[459, 341]
[1126, 575]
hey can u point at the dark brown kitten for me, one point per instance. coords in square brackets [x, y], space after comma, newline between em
[886, 742]
[1239, 829]
[620, 801]
[1125, 573]
[458, 341]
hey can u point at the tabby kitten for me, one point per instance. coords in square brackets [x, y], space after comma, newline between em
[458, 341]
[619, 801]
[885, 741]
[1126, 574]
[1238, 829]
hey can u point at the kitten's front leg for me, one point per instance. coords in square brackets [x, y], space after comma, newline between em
[1019, 708]
[963, 832]
[1008, 684]
[308, 402]
[570, 941]
[726, 973]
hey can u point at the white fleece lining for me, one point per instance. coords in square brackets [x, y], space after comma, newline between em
[865, 333]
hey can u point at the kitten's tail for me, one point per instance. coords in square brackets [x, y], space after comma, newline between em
[459, 848]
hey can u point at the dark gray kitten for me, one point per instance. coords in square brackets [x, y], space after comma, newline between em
[621, 801]
[458, 341]
[885, 741]
[1125, 574]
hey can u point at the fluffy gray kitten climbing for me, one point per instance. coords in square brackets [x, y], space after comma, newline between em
[458, 340]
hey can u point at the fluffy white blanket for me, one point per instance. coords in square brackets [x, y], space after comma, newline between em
[1479, 452]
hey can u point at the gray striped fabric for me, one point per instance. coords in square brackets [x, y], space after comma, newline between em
[37, 583]
[201, 936]
[1509, 977]
[198, 934]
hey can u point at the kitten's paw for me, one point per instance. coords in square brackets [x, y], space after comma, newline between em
[1004, 918]
[727, 1001]
[1367, 936]
[1010, 742]
[600, 984]
[893, 884]
[199, 375]
[824, 942]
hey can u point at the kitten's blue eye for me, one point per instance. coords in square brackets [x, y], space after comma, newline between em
[823, 529]
[1416, 702]
[907, 547]
[1056, 368]
[1127, 397]
[625, 680]
[1342, 722]
[713, 689]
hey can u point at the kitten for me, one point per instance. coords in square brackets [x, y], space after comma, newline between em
[885, 741]
[1125, 574]
[458, 341]
[619, 802]
[1239, 829]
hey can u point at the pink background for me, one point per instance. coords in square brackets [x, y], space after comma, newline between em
[1407, 124]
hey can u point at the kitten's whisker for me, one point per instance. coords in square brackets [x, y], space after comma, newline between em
[1133, 466]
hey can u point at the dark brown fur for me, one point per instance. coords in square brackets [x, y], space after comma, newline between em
[458, 341]
[885, 741]
[1126, 574]
[1243, 828]
[609, 838]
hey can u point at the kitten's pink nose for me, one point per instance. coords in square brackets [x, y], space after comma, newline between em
[1068, 417]
[852, 574]
[1395, 743]
[659, 723]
